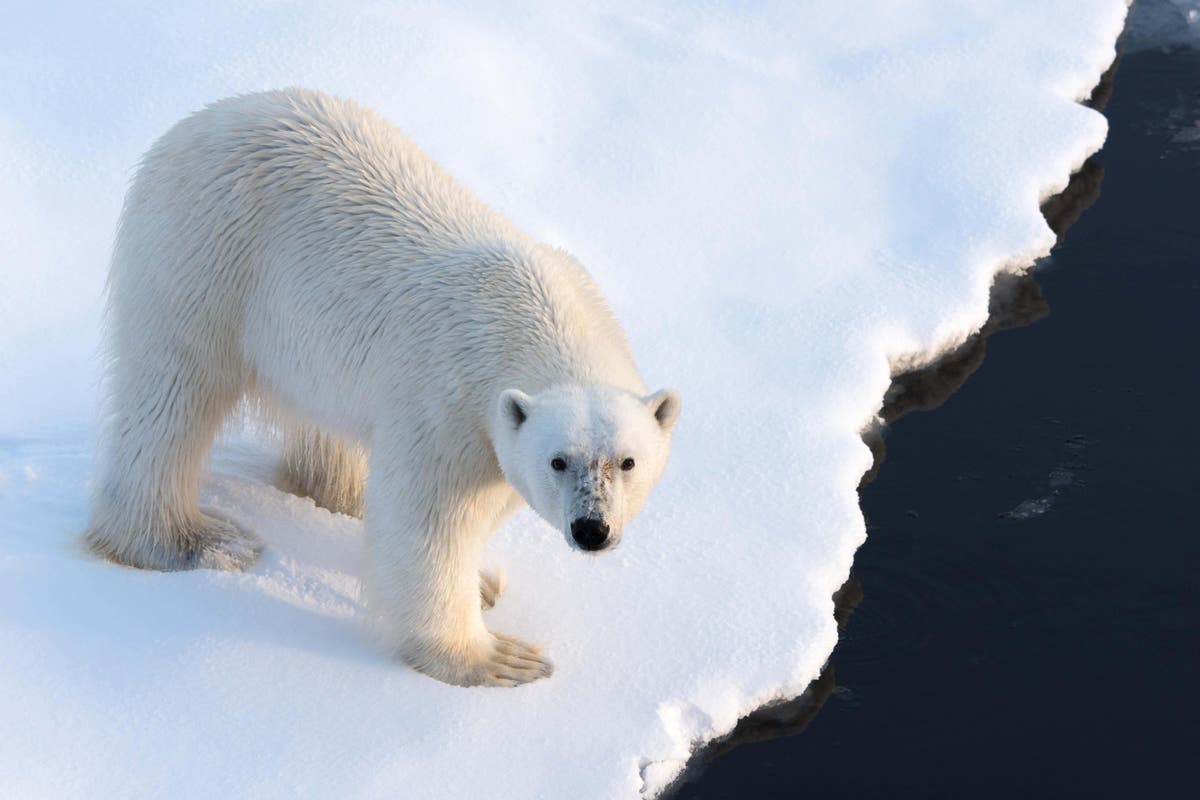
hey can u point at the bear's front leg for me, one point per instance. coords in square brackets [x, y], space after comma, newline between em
[491, 586]
[423, 584]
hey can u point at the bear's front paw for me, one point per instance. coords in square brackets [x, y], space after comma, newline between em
[511, 662]
[497, 660]
[491, 586]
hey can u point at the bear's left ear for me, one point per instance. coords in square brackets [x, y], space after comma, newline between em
[514, 407]
[665, 405]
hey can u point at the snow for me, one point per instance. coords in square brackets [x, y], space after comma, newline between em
[781, 207]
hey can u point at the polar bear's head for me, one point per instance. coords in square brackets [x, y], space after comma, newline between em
[585, 457]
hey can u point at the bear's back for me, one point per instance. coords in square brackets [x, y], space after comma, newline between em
[285, 157]
[311, 237]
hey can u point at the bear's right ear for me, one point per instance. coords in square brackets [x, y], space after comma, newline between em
[515, 406]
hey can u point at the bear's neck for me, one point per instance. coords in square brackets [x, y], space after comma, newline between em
[555, 326]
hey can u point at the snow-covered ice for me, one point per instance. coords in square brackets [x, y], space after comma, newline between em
[781, 207]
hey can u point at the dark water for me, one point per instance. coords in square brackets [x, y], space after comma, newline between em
[1024, 619]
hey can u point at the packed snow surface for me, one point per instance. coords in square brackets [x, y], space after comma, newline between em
[779, 206]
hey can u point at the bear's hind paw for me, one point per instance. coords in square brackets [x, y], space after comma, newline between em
[213, 544]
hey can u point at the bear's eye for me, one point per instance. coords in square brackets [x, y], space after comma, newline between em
[627, 464]
[557, 464]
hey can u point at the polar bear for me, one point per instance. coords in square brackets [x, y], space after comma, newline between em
[295, 249]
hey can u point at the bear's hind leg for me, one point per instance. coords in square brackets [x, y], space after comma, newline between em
[331, 471]
[145, 511]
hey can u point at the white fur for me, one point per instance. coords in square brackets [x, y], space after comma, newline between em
[329, 470]
[296, 249]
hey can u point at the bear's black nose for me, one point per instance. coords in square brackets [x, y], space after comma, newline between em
[590, 534]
